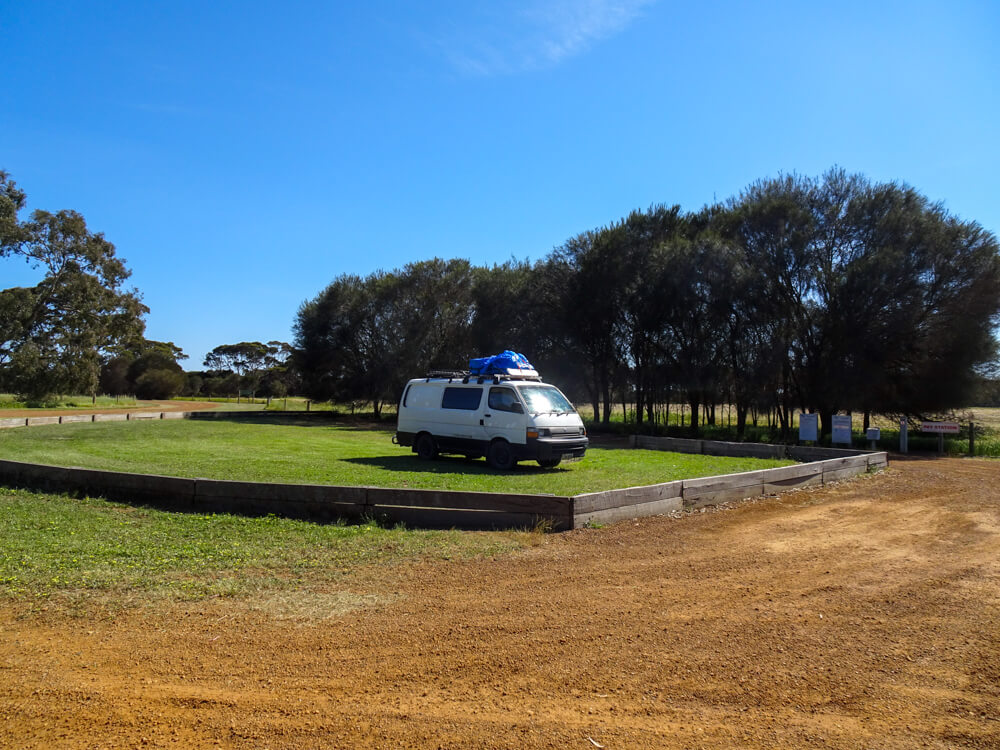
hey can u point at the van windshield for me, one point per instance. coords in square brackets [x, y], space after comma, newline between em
[544, 399]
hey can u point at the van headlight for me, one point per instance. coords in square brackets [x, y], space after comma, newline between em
[538, 432]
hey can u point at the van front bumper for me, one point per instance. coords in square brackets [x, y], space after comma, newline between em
[555, 447]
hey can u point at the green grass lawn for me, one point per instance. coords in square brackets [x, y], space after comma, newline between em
[78, 554]
[337, 455]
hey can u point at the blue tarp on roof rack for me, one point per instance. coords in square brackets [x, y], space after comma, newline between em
[505, 363]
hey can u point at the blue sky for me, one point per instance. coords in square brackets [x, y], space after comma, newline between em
[242, 155]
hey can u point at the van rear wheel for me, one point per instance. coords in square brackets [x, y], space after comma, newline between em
[500, 455]
[425, 447]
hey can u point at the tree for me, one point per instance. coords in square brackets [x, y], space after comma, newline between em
[346, 341]
[53, 335]
[361, 339]
[158, 359]
[880, 299]
[244, 358]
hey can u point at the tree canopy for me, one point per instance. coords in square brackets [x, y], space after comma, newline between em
[822, 294]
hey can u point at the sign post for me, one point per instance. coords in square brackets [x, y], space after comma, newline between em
[941, 429]
[904, 438]
[874, 434]
[841, 430]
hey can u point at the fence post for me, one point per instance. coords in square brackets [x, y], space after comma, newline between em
[904, 439]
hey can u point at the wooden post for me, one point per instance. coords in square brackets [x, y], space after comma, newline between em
[308, 403]
[972, 438]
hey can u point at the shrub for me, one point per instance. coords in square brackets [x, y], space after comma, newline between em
[159, 384]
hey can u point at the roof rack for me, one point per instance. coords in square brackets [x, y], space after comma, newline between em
[450, 374]
[494, 377]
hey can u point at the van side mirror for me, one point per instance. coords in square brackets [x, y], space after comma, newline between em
[517, 408]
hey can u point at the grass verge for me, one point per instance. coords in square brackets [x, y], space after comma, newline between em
[66, 550]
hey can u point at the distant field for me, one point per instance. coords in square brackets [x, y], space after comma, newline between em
[337, 455]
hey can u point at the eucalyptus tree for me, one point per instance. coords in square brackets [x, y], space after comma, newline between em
[53, 335]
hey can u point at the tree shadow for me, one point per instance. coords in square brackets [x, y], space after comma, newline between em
[293, 419]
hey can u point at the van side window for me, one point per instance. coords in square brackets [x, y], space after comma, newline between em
[462, 398]
[503, 399]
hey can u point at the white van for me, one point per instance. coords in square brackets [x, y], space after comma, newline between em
[506, 419]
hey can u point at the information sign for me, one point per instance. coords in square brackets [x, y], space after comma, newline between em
[945, 428]
[841, 429]
[808, 427]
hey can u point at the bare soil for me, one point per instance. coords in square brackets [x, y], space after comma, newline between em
[860, 615]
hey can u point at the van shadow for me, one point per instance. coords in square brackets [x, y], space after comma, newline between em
[454, 465]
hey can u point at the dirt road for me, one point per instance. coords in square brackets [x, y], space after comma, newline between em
[862, 615]
[142, 406]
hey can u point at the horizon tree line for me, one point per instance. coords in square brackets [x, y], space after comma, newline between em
[816, 294]
[820, 294]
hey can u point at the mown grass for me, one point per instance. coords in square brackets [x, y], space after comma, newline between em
[56, 546]
[337, 455]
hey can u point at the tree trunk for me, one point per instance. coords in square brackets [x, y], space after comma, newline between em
[825, 422]
[741, 420]
[606, 394]
[595, 399]
[695, 403]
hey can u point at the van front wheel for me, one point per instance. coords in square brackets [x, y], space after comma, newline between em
[425, 447]
[500, 455]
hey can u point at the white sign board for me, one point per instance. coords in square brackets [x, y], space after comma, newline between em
[841, 429]
[947, 428]
[808, 427]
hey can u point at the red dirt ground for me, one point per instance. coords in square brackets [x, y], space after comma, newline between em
[143, 406]
[860, 615]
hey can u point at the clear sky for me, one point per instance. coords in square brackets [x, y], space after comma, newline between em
[241, 155]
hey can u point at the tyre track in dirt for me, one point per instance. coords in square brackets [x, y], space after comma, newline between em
[863, 614]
